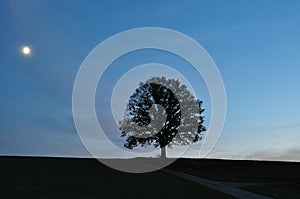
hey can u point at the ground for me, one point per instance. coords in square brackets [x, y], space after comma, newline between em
[45, 178]
[274, 179]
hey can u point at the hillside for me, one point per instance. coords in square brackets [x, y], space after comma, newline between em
[38, 177]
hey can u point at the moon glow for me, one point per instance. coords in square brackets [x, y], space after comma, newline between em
[26, 50]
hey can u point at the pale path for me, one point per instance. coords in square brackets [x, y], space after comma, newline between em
[226, 188]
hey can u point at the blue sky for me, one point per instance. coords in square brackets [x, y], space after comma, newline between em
[255, 45]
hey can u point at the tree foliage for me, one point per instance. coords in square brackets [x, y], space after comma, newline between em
[162, 112]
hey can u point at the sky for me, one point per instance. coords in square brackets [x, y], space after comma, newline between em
[255, 45]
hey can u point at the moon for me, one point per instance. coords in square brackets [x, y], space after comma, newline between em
[26, 50]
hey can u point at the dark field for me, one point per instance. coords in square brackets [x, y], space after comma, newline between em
[24, 177]
[44, 178]
[275, 179]
[240, 170]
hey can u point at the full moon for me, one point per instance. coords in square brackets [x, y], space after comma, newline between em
[26, 50]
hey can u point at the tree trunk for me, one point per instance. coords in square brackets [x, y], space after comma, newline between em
[163, 152]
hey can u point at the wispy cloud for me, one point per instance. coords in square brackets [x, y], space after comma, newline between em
[275, 154]
[292, 154]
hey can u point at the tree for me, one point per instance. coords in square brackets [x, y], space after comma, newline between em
[162, 112]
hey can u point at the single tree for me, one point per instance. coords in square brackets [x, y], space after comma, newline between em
[162, 112]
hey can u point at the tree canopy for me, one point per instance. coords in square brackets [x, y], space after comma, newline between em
[162, 112]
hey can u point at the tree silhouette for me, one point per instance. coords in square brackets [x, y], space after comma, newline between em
[162, 112]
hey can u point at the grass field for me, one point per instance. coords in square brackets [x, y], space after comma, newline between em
[240, 170]
[45, 178]
[281, 190]
[278, 179]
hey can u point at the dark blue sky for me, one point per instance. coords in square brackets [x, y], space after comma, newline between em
[255, 45]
